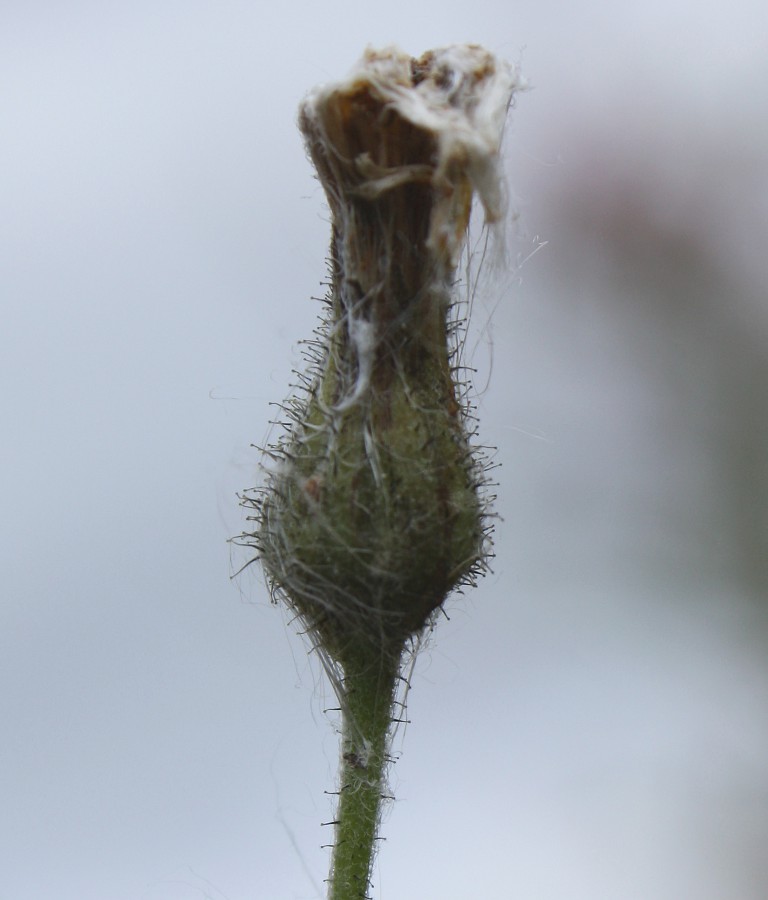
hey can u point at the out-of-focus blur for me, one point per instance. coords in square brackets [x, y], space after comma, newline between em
[592, 721]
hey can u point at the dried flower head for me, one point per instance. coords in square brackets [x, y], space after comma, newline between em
[374, 512]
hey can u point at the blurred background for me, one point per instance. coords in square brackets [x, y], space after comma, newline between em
[592, 721]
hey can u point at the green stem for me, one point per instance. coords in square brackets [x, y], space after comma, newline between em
[369, 689]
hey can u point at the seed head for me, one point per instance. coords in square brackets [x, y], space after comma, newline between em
[374, 512]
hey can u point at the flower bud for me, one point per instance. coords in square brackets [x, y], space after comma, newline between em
[374, 512]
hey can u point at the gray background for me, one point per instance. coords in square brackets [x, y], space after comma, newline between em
[592, 722]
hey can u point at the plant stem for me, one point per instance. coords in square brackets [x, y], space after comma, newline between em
[369, 689]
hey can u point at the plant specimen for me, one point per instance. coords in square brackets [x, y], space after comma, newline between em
[375, 508]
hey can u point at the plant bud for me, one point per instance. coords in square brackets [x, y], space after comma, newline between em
[374, 512]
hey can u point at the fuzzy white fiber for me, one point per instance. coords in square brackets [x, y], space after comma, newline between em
[462, 101]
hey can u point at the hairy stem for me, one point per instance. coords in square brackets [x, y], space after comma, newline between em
[369, 689]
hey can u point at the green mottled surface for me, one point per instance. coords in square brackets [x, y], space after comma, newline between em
[375, 516]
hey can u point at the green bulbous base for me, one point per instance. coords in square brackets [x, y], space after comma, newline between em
[375, 516]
